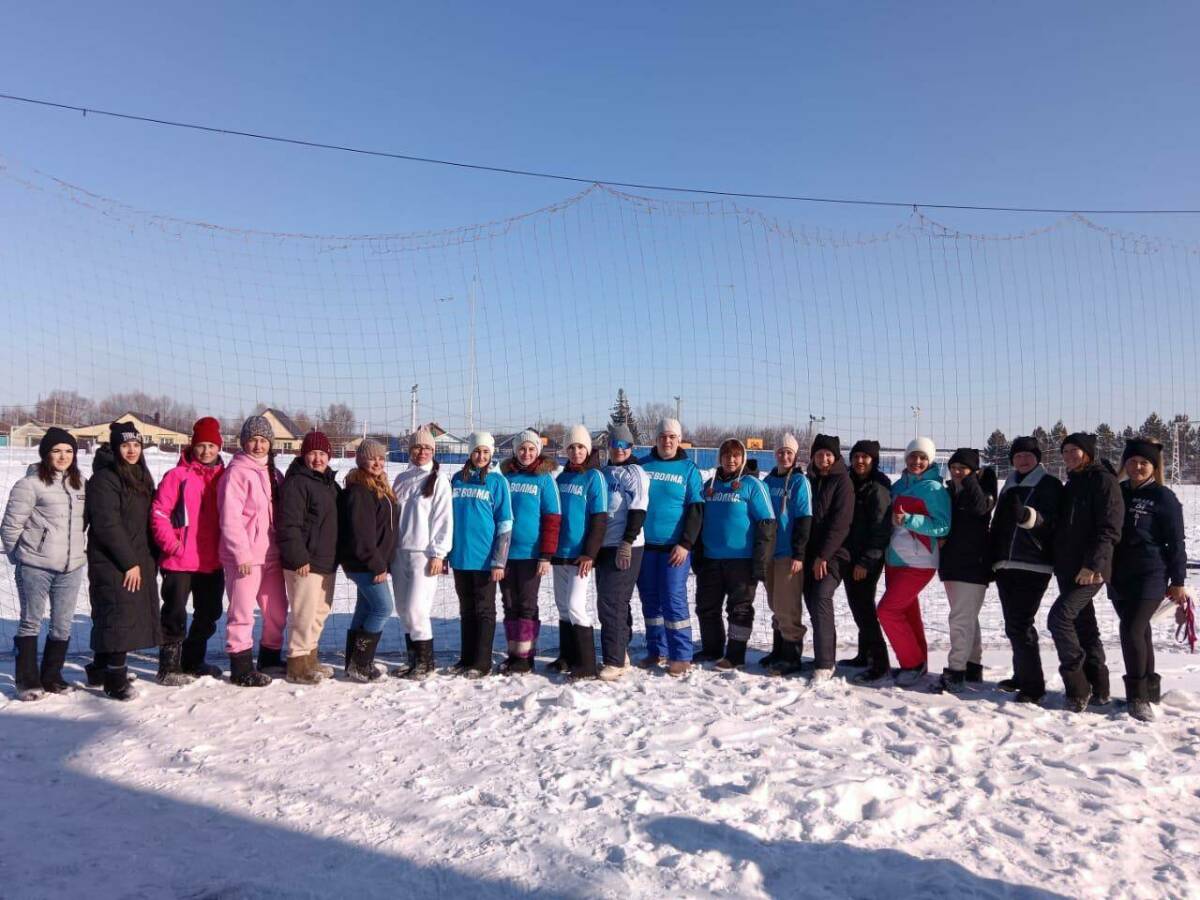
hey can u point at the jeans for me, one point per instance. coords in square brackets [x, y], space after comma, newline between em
[38, 587]
[374, 604]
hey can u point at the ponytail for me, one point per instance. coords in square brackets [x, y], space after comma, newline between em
[274, 473]
[430, 481]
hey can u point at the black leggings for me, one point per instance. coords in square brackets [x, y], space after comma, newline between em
[1136, 602]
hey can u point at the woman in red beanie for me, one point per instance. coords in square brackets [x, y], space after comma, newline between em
[183, 519]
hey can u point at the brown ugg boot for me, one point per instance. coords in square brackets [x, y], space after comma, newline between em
[319, 667]
[300, 670]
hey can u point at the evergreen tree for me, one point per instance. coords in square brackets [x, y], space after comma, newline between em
[622, 414]
[995, 453]
[1052, 455]
[1042, 437]
[1108, 445]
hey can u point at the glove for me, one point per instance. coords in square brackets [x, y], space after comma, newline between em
[624, 555]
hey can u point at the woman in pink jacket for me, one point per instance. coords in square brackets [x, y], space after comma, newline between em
[184, 521]
[250, 555]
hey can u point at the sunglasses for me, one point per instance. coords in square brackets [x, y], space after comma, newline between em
[622, 445]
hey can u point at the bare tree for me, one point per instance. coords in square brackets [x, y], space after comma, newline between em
[64, 408]
[338, 422]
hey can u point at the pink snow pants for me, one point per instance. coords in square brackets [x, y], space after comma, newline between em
[900, 613]
[263, 588]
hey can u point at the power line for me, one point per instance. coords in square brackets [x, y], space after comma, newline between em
[529, 173]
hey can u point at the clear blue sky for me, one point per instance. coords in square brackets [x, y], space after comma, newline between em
[1071, 104]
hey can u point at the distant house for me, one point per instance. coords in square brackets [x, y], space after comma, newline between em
[28, 434]
[151, 431]
[288, 435]
[506, 444]
[5, 433]
[388, 440]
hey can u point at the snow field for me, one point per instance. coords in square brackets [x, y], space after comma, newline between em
[712, 785]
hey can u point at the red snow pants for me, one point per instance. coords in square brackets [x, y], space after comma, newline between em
[900, 613]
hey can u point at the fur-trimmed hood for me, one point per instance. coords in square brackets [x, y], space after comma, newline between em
[543, 466]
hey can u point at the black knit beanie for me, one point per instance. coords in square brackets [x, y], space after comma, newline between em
[830, 442]
[119, 433]
[1084, 441]
[966, 456]
[871, 448]
[52, 438]
[1145, 448]
[1025, 445]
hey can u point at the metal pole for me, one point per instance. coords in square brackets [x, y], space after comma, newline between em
[471, 361]
[413, 426]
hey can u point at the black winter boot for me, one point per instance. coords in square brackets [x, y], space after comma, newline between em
[1079, 690]
[116, 684]
[776, 649]
[270, 660]
[361, 667]
[735, 656]
[788, 662]
[192, 662]
[953, 681]
[242, 671]
[974, 673]
[1153, 688]
[566, 635]
[405, 671]
[26, 676]
[1097, 677]
[170, 666]
[712, 643]
[423, 665]
[583, 652]
[95, 669]
[53, 658]
[1137, 692]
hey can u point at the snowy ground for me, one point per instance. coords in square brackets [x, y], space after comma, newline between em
[714, 785]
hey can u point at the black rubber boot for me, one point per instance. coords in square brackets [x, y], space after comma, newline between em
[974, 673]
[53, 657]
[712, 644]
[405, 670]
[423, 665]
[735, 656]
[788, 661]
[26, 676]
[1154, 688]
[565, 636]
[270, 660]
[953, 681]
[361, 667]
[583, 652]
[1097, 677]
[192, 661]
[479, 658]
[1079, 691]
[776, 649]
[170, 666]
[242, 671]
[95, 669]
[116, 683]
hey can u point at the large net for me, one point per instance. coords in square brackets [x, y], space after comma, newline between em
[742, 321]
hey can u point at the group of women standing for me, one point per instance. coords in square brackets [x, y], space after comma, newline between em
[274, 541]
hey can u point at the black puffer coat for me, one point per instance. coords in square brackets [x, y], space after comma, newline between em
[119, 538]
[871, 529]
[1027, 549]
[366, 530]
[965, 555]
[1090, 515]
[832, 514]
[306, 519]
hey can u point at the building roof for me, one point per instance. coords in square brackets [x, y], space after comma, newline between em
[283, 419]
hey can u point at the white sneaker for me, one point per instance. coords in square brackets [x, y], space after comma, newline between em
[820, 675]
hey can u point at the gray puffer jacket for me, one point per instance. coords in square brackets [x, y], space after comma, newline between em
[43, 524]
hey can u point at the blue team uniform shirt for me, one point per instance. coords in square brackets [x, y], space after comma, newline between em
[674, 485]
[730, 514]
[798, 505]
[532, 495]
[582, 495]
[482, 510]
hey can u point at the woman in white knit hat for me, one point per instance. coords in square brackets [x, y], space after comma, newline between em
[584, 499]
[423, 537]
[920, 516]
[482, 529]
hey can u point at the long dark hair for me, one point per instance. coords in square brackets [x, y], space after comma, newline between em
[73, 476]
[430, 480]
[274, 474]
[135, 477]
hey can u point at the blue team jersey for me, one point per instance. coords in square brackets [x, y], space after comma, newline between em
[674, 485]
[482, 511]
[729, 517]
[795, 504]
[582, 495]
[532, 495]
